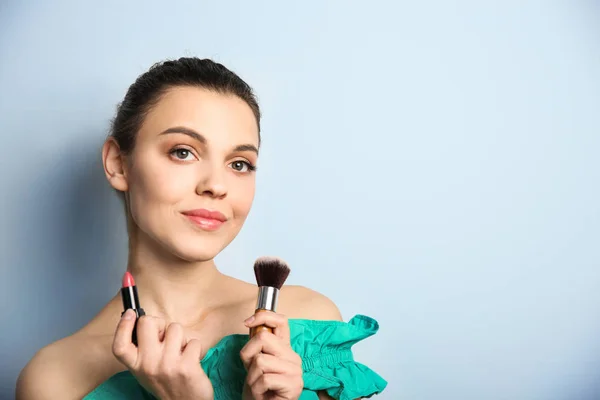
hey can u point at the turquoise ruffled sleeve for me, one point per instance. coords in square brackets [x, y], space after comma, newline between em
[327, 360]
[328, 364]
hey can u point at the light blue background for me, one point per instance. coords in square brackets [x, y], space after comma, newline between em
[432, 164]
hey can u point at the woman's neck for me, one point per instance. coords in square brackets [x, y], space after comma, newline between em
[172, 288]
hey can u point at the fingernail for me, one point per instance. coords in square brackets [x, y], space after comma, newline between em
[129, 314]
[249, 320]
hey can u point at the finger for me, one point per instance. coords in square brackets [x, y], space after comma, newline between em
[278, 322]
[174, 341]
[266, 382]
[268, 343]
[193, 351]
[150, 331]
[268, 364]
[123, 348]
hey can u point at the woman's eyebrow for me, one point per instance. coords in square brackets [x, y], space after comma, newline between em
[197, 136]
[186, 131]
[246, 147]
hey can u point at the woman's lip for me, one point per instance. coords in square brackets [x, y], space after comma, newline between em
[206, 214]
[208, 224]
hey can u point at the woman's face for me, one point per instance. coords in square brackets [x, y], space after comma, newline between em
[191, 178]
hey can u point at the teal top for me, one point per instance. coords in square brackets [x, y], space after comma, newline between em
[327, 364]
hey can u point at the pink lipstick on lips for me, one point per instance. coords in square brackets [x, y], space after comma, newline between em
[206, 219]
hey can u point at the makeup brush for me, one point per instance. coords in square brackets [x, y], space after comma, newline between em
[271, 273]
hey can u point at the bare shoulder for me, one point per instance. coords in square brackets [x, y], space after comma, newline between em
[48, 373]
[68, 369]
[304, 303]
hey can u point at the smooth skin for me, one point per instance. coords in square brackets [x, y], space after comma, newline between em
[195, 149]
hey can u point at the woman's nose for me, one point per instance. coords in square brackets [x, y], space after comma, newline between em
[212, 183]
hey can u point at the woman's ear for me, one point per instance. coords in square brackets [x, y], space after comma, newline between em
[114, 165]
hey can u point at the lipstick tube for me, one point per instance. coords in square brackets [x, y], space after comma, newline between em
[129, 295]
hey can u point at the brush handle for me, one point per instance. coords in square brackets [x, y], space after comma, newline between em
[259, 328]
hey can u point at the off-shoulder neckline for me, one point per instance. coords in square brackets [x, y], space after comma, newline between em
[356, 321]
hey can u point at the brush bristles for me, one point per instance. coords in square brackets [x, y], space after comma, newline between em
[271, 271]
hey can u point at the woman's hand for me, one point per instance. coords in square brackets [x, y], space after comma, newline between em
[274, 368]
[165, 361]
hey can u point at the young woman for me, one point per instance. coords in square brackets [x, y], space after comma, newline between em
[182, 151]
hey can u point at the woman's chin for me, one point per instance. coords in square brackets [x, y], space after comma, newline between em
[194, 254]
[193, 247]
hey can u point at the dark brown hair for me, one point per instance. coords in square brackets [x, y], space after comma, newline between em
[148, 88]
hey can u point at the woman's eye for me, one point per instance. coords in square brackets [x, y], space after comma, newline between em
[242, 166]
[182, 154]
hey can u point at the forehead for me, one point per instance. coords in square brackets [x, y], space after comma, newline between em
[224, 120]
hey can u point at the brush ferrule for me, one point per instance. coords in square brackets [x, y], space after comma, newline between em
[267, 298]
